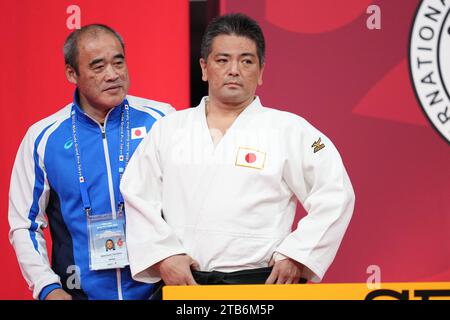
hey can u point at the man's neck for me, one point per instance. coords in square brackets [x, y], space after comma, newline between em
[215, 108]
[97, 114]
[220, 117]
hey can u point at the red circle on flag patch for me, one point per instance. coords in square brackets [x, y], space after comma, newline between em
[250, 157]
[137, 132]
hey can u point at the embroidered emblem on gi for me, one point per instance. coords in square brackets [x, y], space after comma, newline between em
[138, 133]
[250, 158]
[68, 144]
[317, 145]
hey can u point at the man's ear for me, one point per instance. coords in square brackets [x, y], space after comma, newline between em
[260, 79]
[71, 74]
[203, 67]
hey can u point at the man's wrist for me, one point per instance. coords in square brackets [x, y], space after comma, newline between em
[278, 256]
[47, 289]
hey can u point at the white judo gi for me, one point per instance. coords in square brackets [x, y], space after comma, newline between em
[231, 206]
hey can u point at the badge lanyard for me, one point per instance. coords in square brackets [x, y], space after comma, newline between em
[123, 160]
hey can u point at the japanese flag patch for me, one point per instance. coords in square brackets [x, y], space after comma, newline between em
[138, 133]
[250, 158]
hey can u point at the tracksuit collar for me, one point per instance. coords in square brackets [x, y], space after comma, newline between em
[83, 117]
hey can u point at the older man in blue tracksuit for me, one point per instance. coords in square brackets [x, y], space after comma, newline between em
[67, 174]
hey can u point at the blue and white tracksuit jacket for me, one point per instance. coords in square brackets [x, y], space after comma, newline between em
[45, 190]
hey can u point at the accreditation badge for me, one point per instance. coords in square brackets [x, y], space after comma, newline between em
[107, 245]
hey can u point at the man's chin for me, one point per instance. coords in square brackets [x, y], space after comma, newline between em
[233, 99]
[113, 100]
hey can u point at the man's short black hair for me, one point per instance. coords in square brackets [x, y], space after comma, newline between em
[71, 43]
[234, 24]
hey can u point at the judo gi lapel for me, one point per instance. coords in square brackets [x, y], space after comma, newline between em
[239, 122]
[214, 154]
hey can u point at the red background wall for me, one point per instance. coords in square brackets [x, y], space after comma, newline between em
[352, 83]
[322, 63]
[33, 84]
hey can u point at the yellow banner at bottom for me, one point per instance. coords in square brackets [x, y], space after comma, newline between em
[335, 291]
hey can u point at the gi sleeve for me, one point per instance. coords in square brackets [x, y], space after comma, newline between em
[149, 237]
[28, 198]
[315, 173]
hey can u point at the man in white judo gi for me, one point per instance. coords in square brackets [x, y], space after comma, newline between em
[211, 193]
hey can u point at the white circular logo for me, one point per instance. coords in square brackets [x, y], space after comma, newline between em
[429, 62]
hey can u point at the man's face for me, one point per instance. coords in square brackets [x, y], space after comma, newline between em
[109, 244]
[102, 78]
[232, 69]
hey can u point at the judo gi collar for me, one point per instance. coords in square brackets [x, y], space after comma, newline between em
[251, 108]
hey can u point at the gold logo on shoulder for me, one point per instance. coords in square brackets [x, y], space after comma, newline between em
[318, 145]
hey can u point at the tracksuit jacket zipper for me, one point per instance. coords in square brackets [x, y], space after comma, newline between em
[111, 191]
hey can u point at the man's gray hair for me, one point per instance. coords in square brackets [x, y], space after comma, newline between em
[71, 43]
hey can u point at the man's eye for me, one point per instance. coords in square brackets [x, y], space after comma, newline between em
[119, 63]
[247, 61]
[222, 60]
[98, 68]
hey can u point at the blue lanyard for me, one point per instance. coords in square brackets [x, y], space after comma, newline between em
[123, 159]
[123, 165]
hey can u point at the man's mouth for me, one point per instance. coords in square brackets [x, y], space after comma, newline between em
[112, 88]
[231, 83]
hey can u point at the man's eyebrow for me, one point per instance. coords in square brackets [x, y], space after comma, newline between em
[119, 56]
[246, 54]
[95, 61]
[222, 54]
[98, 60]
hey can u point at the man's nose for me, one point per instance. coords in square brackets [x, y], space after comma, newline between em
[111, 74]
[234, 68]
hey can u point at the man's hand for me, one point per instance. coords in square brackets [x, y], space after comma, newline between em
[58, 294]
[176, 270]
[286, 271]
